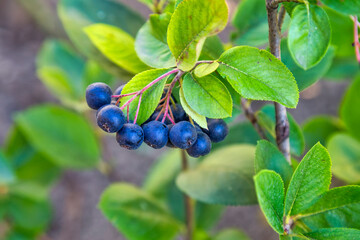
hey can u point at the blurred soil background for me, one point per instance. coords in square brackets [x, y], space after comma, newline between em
[76, 195]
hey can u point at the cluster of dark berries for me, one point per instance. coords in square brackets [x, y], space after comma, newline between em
[184, 135]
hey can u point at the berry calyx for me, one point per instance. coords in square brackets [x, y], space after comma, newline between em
[156, 134]
[97, 95]
[217, 130]
[110, 118]
[201, 147]
[130, 136]
[183, 135]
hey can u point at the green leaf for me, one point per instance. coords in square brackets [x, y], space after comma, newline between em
[320, 128]
[29, 208]
[123, 204]
[345, 154]
[266, 118]
[309, 35]
[151, 42]
[250, 19]
[60, 69]
[343, 68]
[350, 114]
[268, 156]
[78, 14]
[160, 183]
[213, 48]
[311, 178]
[6, 172]
[205, 69]
[334, 234]
[348, 7]
[305, 78]
[150, 98]
[192, 22]
[224, 177]
[29, 164]
[117, 45]
[242, 132]
[208, 96]
[258, 75]
[63, 136]
[339, 207]
[94, 73]
[341, 26]
[271, 193]
[231, 234]
[199, 119]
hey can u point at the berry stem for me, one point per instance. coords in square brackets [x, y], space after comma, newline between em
[123, 95]
[128, 111]
[149, 86]
[188, 202]
[138, 109]
[249, 113]
[356, 38]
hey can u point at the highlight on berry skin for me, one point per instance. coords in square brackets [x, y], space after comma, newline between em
[169, 125]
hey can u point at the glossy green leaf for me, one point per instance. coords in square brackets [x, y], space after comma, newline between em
[250, 19]
[350, 114]
[6, 172]
[136, 214]
[150, 98]
[305, 78]
[63, 136]
[309, 35]
[224, 177]
[160, 183]
[345, 154]
[231, 234]
[334, 234]
[320, 128]
[338, 207]
[293, 237]
[271, 193]
[78, 14]
[117, 45]
[151, 42]
[348, 7]
[258, 75]
[266, 118]
[311, 178]
[242, 132]
[208, 96]
[192, 22]
[269, 157]
[60, 69]
[205, 69]
[199, 119]
[29, 164]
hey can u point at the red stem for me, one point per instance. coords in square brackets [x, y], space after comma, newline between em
[128, 110]
[123, 95]
[149, 86]
[356, 38]
[138, 109]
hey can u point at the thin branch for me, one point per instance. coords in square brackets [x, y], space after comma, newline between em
[281, 18]
[275, 3]
[189, 206]
[282, 124]
[249, 113]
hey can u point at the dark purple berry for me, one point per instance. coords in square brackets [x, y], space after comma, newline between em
[156, 134]
[201, 147]
[98, 95]
[110, 118]
[119, 90]
[130, 136]
[183, 135]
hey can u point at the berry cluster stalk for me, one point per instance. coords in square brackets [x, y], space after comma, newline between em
[282, 123]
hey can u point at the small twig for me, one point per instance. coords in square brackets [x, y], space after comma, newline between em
[281, 18]
[356, 39]
[282, 124]
[275, 3]
[189, 206]
[249, 113]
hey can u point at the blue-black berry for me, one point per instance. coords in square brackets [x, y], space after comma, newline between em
[183, 135]
[217, 130]
[178, 112]
[156, 134]
[110, 118]
[201, 147]
[119, 90]
[98, 95]
[130, 136]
